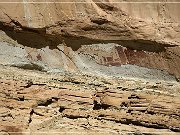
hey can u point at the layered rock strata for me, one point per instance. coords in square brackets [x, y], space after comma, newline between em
[149, 32]
[89, 67]
[37, 103]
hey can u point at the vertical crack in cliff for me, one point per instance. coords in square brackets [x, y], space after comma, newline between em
[27, 12]
[30, 117]
[71, 59]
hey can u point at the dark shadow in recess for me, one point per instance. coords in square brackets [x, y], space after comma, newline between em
[37, 38]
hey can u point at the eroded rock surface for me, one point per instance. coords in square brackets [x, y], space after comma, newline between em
[89, 67]
[146, 35]
[35, 102]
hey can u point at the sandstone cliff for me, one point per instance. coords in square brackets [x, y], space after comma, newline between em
[144, 34]
[107, 66]
[40, 103]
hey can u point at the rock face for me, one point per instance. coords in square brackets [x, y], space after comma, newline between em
[40, 103]
[55, 35]
[89, 67]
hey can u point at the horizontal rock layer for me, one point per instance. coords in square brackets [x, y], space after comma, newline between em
[152, 34]
[117, 63]
[33, 102]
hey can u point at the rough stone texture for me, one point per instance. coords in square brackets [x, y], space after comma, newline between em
[89, 67]
[148, 33]
[40, 103]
